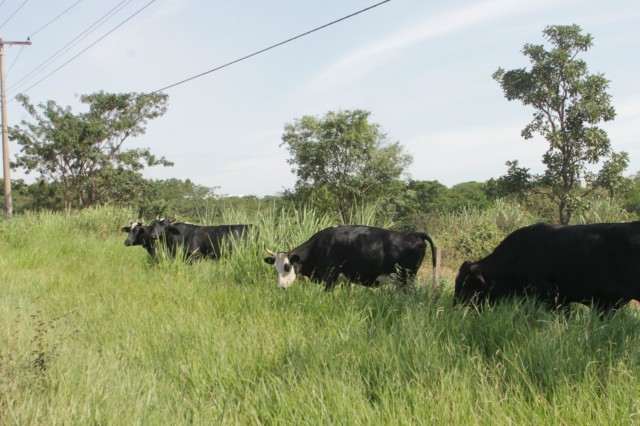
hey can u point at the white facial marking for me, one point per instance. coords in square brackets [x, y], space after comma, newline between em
[285, 279]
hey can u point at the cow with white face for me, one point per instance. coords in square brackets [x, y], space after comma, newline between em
[284, 264]
[363, 254]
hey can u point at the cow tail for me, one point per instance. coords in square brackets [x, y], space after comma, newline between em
[426, 237]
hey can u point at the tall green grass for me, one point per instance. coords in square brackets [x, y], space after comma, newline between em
[92, 332]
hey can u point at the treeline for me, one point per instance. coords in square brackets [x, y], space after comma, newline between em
[411, 207]
[342, 160]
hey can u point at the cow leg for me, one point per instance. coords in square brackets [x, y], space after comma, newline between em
[407, 279]
[330, 279]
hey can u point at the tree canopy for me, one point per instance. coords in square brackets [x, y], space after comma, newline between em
[569, 104]
[342, 159]
[83, 153]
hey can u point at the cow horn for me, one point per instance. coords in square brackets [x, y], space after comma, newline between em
[130, 221]
[173, 219]
[158, 217]
[288, 247]
[271, 253]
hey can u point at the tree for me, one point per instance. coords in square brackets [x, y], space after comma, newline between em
[469, 195]
[83, 153]
[569, 103]
[631, 202]
[343, 160]
[516, 183]
[182, 197]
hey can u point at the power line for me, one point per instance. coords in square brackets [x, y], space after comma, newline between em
[15, 61]
[54, 19]
[77, 39]
[13, 14]
[91, 45]
[271, 47]
[13, 64]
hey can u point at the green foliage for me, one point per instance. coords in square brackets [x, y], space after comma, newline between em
[602, 209]
[517, 183]
[421, 199]
[568, 103]
[82, 154]
[469, 195]
[631, 201]
[91, 333]
[471, 234]
[170, 196]
[342, 159]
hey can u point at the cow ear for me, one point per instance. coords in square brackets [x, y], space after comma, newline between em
[477, 273]
[294, 258]
[126, 229]
[270, 260]
[174, 230]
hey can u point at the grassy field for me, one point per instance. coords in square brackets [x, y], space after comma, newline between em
[93, 332]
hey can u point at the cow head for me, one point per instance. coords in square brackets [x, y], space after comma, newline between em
[286, 265]
[470, 284]
[136, 231]
[160, 227]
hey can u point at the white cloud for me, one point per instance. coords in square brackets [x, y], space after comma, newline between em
[435, 26]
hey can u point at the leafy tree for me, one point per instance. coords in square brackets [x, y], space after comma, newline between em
[426, 195]
[569, 103]
[631, 202]
[469, 195]
[342, 160]
[182, 197]
[83, 153]
[515, 184]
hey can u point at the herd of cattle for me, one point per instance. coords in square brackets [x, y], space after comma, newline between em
[597, 265]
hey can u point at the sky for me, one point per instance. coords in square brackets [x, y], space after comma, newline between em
[421, 68]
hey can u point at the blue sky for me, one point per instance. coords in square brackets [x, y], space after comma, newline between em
[422, 68]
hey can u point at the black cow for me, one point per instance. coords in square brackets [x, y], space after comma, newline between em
[198, 241]
[139, 235]
[361, 253]
[596, 265]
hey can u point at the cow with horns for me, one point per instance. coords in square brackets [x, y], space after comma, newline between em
[139, 235]
[364, 254]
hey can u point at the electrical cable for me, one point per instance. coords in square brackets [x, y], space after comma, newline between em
[77, 39]
[13, 14]
[13, 64]
[15, 61]
[90, 46]
[270, 47]
[54, 19]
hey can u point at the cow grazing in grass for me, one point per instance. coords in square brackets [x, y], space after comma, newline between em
[139, 235]
[596, 265]
[197, 241]
[363, 254]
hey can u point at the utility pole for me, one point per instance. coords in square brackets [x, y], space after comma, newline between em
[5, 137]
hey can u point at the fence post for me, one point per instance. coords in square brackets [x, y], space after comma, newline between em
[436, 268]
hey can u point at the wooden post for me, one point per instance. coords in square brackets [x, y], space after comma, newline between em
[436, 269]
[8, 207]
